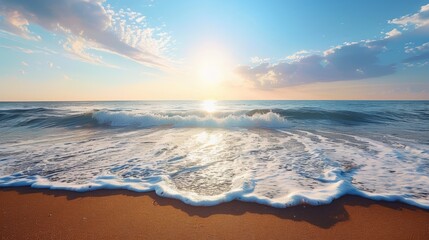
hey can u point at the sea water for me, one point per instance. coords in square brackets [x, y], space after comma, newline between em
[278, 153]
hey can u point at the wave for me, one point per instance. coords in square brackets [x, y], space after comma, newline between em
[263, 118]
[44, 118]
[241, 193]
[340, 116]
[266, 120]
[25, 110]
[112, 118]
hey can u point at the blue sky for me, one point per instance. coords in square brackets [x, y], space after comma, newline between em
[119, 50]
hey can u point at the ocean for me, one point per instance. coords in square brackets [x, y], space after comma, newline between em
[277, 153]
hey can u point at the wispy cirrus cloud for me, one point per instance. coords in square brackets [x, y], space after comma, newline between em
[87, 24]
[76, 48]
[16, 24]
[28, 50]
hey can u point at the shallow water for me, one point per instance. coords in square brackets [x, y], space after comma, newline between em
[278, 153]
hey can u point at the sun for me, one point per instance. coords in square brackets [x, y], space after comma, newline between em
[211, 73]
[212, 66]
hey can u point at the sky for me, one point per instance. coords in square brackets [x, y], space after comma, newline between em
[197, 49]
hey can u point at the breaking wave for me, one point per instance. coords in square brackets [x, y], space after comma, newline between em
[265, 120]
[256, 118]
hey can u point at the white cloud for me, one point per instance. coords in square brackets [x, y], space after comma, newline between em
[258, 60]
[394, 33]
[418, 19]
[298, 55]
[140, 19]
[18, 49]
[16, 24]
[423, 47]
[77, 46]
[421, 53]
[350, 61]
[91, 23]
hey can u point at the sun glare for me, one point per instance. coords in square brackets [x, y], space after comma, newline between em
[209, 106]
[211, 73]
[212, 67]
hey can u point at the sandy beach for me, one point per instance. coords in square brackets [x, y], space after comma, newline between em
[118, 214]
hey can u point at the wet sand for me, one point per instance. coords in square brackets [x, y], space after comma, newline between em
[118, 214]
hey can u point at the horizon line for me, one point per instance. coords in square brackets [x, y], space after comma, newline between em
[220, 100]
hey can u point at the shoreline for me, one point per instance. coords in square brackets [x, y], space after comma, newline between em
[28, 213]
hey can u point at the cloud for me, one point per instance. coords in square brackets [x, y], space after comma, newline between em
[419, 23]
[18, 49]
[423, 47]
[394, 33]
[421, 53]
[16, 24]
[87, 21]
[350, 61]
[40, 50]
[299, 55]
[418, 19]
[417, 58]
[259, 60]
[420, 57]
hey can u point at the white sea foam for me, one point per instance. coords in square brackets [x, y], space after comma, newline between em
[266, 120]
[207, 166]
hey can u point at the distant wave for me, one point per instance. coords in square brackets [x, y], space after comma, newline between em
[264, 118]
[39, 117]
[342, 116]
[43, 117]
